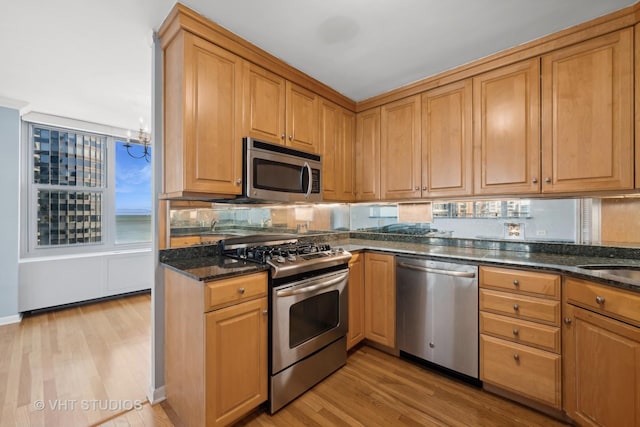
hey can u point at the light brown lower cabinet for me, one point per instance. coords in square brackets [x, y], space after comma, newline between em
[520, 353]
[601, 355]
[528, 371]
[356, 300]
[215, 347]
[380, 298]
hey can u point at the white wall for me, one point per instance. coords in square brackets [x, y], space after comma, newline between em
[9, 214]
[52, 281]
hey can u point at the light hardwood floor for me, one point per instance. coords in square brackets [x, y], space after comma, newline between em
[77, 366]
[98, 354]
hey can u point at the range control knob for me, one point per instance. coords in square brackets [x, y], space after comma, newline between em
[280, 259]
[291, 257]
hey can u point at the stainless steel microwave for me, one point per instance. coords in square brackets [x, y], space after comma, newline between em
[275, 173]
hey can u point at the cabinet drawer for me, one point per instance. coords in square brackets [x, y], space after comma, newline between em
[524, 370]
[521, 331]
[528, 282]
[178, 242]
[235, 289]
[613, 302]
[521, 306]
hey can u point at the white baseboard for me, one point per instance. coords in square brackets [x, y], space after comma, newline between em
[157, 395]
[8, 320]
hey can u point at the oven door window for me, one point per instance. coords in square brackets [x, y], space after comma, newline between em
[278, 176]
[313, 316]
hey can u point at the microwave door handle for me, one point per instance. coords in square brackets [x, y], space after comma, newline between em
[310, 180]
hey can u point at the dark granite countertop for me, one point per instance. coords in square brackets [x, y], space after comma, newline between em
[204, 262]
[564, 264]
[213, 267]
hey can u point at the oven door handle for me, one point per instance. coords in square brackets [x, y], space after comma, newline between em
[311, 288]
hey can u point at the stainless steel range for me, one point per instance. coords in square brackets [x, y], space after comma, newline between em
[308, 308]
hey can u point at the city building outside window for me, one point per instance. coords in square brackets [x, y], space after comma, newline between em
[85, 192]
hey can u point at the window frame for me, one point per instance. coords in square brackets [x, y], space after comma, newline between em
[29, 190]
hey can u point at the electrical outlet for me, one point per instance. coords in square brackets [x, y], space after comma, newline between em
[541, 232]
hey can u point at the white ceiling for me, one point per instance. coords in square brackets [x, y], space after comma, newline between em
[92, 59]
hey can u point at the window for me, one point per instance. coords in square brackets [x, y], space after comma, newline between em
[68, 176]
[85, 192]
[133, 195]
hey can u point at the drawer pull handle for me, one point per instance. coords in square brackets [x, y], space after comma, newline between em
[516, 307]
[241, 290]
[600, 300]
[516, 357]
[516, 331]
[516, 283]
[567, 320]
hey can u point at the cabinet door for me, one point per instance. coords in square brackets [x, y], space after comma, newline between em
[587, 113]
[346, 136]
[302, 119]
[447, 140]
[380, 298]
[356, 300]
[400, 166]
[236, 355]
[329, 149]
[506, 116]
[602, 369]
[367, 153]
[212, 118]
[637, 104]
[264, 105]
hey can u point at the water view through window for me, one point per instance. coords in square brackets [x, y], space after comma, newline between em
[133, 196]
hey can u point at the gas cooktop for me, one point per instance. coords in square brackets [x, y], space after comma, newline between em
[284, 253]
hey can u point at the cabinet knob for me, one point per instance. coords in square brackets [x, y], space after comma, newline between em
[417, 188]
[516, 357]
[567, 320]
[265, 312]
[547, 180]
[516, 307]
[238, 181]
[516, 332]
[424, 188]
[241, 290]
[431, 344]
[534, 180]
[290, 137]
[600, 300]
[283, 136]
[516, 283]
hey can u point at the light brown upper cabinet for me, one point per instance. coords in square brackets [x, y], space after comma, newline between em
[400, 166]
[447, 140]
[637, 85]
[302, 118]
[367, 155]
[506, 108]
[202, 118]
[587, 115]
[264, 109]
[336, 135]
[279, 111]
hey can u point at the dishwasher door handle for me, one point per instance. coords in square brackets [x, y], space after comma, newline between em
[437, 270]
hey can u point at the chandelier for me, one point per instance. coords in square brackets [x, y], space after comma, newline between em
[143, 149]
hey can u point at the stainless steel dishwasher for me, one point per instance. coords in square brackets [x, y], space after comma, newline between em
[437, 313]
